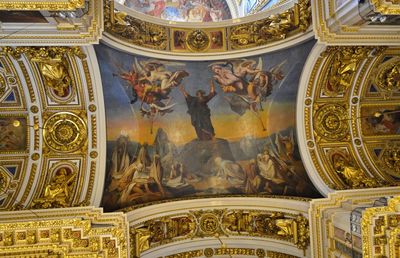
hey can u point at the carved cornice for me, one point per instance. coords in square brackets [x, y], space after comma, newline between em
[210, 223]
[86, 28]
[345, 25]
[323, 212]
[381, 230]
[79, 232]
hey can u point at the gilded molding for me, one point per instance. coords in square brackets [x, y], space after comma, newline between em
[292, 228]
[212, 252]
[48, 5]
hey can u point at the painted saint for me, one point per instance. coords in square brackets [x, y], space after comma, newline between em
[200, 114]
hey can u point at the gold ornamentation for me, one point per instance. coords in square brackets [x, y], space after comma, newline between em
[278, 225]
[57, 192]
[3, 86]
[65, 132]
[135, 31]
[237, 251]
[53, 67]
[93, 154]
[344, 62]
[55, 74]
[145, 34]
[387, 7]
[142, 240]
[380, 230]
[354, 115]
[276, 27]
[35, 156]
[92, 108]
[34, 109]
[65, 5]
[345, 168]
[390, 160]
[272, 254]
[80, 232]
[4, 181]
[198, 40]
[388, 76]
[331, 122]
[209, 224]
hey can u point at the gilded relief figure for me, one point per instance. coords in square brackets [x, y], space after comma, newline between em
[352, 175]
[55, 73]
[60, 185]
[58, 191]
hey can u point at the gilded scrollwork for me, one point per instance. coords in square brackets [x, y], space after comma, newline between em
[258, 33]
[43, 127]
[387, 7]
[276, 27]
[215, 223]
[3, 86]
[135, 31]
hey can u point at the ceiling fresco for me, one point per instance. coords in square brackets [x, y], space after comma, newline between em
[182, 10]
[177, 129]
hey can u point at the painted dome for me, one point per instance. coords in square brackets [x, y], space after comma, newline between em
[198, 10]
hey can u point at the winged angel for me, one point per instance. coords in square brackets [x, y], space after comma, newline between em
[246, 83]
[151, 83]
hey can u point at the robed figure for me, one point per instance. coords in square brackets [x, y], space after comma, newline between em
[200, 112]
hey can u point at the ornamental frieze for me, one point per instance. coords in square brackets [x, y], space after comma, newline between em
[135, 32]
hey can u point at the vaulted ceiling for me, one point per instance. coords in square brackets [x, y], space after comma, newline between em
[209, 136]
